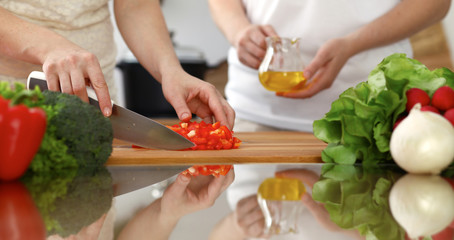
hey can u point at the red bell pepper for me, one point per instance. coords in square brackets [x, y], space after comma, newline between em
[207, 136]
[21, 132]
[206, 170]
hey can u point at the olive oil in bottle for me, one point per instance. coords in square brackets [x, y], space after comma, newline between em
[282, 81]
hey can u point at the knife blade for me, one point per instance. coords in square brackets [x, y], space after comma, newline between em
[128, 125]
[127, 179]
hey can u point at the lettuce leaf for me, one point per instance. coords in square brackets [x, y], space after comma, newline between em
[359, 124]
[357, 198]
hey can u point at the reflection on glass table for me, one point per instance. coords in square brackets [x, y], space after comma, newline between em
[340, 202]
[63, 204]
[343, 202]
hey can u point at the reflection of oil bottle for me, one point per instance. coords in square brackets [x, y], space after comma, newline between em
[280, 201]
[282, 67]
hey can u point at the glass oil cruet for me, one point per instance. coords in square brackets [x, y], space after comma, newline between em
[282, 67]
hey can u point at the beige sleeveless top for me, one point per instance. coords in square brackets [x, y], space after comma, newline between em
[87, 23]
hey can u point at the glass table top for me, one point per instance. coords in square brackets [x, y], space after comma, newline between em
[339, 202]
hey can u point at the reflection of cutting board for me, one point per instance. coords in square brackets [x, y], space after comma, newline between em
[256, 147]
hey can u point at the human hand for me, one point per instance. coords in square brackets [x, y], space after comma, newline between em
[185, 195]
[188, 94]
[324, 68]
[250, 44]
[249, 217]
[70, 69]
[190, 194]
[309, 178]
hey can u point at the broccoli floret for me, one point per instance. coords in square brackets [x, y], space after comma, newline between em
[77, 134]
[70, 199]
[87, 134]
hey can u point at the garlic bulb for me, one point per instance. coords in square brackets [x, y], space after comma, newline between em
[423, 142]
[423, 205]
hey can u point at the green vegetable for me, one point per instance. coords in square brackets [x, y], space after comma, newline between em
[357, 198]
[70, 199]
[81, 127]
[30, 98]
[66, 178]
[77, 134]
[359, 124]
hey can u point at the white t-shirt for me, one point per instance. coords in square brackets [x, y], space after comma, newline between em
[314, 22]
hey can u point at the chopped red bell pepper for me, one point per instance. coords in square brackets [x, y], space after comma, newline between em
[21, 132]
[206, 170]
[207, 136]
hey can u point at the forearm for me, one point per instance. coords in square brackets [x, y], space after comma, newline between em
[406, 19]
[149, 224]
[230, 17]
[144, 30]
[26, 41]
[227, 229]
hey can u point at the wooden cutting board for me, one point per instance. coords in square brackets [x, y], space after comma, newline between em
[256, 147]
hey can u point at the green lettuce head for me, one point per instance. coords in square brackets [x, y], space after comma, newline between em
[359, 124]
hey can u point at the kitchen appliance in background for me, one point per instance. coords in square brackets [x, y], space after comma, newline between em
[143, 94]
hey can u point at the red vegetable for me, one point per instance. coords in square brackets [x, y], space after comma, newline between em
[443, 98]
[206, 170]
[21, 132]
[416, 95]
[449, 114]
[207, 136]
[19, 217]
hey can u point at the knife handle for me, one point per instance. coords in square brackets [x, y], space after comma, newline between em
[37, 78]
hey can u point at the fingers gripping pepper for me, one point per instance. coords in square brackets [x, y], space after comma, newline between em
[21, 132]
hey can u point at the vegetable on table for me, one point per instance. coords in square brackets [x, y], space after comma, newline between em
[423, 142]
[206, 170]
[360, 123]
[77, 134]
[207, 136]
[80, 128]
[21, 132]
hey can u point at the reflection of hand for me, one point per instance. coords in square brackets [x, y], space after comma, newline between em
[324, 68]
[249, 217]
[188, 95]
[90, 232]
[184, 196]
[309, 178]
[250, 44]
[70, 68]
[187, 195]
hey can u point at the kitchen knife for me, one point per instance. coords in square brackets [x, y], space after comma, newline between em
[128, 125]
[127, 179]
